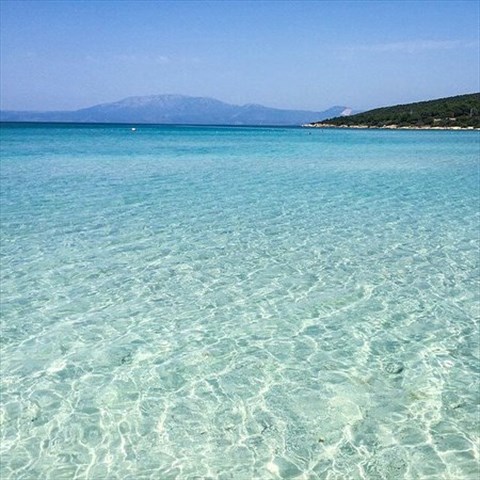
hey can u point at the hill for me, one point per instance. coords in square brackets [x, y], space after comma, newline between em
[175, 109]
[462, 111]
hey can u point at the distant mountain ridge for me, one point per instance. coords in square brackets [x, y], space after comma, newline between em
[176, 109]
[460, 111]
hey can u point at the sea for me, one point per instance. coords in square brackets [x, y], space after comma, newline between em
[182, 302]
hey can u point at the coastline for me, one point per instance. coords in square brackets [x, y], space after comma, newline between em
[386, 127]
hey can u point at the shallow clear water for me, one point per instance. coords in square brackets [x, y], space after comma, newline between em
[239, 303]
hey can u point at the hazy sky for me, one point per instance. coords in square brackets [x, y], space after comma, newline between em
[292, 54]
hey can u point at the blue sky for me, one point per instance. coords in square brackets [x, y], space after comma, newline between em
[291, 54]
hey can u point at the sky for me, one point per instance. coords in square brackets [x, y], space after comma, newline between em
[303, 54]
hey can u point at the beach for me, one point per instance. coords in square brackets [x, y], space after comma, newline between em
[386, 127]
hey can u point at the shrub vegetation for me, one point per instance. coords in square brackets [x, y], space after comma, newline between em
[460, 111]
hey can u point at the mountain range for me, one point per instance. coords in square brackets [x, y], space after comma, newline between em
[177, 109]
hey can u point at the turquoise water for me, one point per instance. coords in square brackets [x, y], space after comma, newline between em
[239, 303]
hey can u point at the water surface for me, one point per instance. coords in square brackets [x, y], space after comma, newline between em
[239, 303]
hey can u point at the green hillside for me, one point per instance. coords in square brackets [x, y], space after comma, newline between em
[460, 111]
